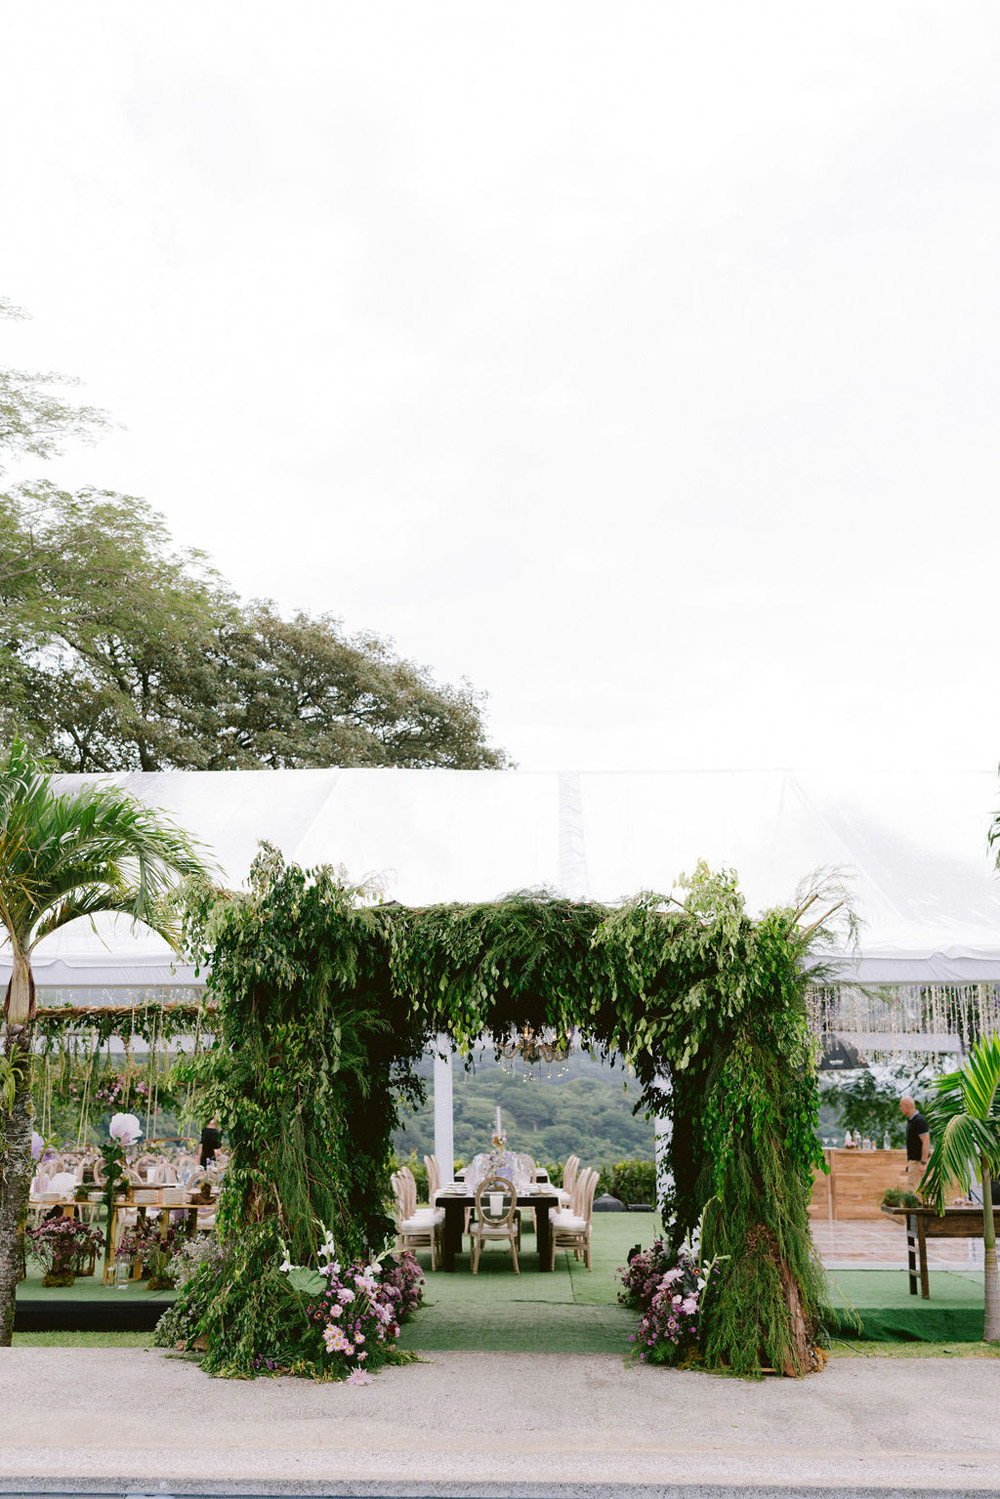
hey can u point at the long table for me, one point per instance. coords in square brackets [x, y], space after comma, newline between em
[456, 1203]
[922, 1224]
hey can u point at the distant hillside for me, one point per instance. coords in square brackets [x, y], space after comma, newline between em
[587, 1112]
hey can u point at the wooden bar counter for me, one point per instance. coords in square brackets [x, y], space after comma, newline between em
[853, 1190]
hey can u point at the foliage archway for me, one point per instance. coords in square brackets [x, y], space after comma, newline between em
[326, 1002]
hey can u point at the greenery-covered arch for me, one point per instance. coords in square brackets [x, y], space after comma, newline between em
[326, 1002]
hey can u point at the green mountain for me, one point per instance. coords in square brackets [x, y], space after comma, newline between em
[585, 1112]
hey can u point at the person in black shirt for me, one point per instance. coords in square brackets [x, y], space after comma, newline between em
[211, 1139]
[918, 1139]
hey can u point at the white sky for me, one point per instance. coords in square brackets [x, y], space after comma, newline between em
[637, 361]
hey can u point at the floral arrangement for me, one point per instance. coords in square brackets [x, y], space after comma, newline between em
[668, 1288]
[61, 1245]
[353, 1314]
[154, 1244]
[124, 1130]
[189, 1256]
[401, 1272]
[111, 1091]
[496, 1164]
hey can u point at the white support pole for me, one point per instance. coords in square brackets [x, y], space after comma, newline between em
[664, 1128]
[444, 1114]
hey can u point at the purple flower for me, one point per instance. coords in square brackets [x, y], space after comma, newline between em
[37, 1145]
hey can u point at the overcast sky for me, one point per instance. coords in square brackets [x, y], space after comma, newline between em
[636, 361]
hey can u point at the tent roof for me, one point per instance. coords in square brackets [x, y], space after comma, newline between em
[912, 844]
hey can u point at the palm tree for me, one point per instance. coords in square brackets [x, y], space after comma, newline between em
[965, 1121]
[64, 855]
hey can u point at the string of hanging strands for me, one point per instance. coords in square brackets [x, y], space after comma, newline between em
[80, 1078]
[887, 1021]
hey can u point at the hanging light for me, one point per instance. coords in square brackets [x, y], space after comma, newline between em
[534, 1051]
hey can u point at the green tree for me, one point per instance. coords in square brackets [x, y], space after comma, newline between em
[965, 1127]
[119, 651]
[64, 856]
[33, 421]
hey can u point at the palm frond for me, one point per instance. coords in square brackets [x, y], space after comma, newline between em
[97, 848]
[964, 1119]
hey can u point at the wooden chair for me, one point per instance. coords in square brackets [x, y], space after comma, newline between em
[496, 1218]
[571, 1230]
[433, 1179]
[415, 1228]
[570, 1170]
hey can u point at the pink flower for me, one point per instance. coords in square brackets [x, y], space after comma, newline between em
[358, 1376]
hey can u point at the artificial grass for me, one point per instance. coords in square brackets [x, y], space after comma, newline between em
[83, 1340]
[880, 1299]
[88, 1288]
[570, 1310]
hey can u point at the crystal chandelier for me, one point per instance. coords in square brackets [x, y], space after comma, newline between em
[534, 1052]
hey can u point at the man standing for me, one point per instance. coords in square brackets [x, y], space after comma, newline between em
[918, 1140]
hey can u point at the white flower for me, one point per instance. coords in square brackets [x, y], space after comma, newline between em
[125, 1127]
[286, 1265]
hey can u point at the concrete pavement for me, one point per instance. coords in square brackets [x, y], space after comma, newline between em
[130, 1420]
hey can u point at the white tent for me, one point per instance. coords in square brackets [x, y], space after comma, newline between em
[913, 846]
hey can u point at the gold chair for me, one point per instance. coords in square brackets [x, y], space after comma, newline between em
[496, 1218]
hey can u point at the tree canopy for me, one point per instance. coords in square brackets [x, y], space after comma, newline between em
[33, 421]
[121, 651]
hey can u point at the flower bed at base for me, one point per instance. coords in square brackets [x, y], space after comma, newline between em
[667, 1288]
[329, 1323]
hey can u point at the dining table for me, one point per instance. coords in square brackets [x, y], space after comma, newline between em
[457, 1199]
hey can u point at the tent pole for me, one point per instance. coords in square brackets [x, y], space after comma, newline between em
[444, 1115]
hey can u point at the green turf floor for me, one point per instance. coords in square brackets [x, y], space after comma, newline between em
[87, 1288]
[570, 1310]
[881, 1299]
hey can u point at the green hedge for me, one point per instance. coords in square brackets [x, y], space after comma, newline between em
[631, 1182]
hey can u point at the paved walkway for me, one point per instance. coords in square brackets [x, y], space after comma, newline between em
[112, 1421]
[880, 1244]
